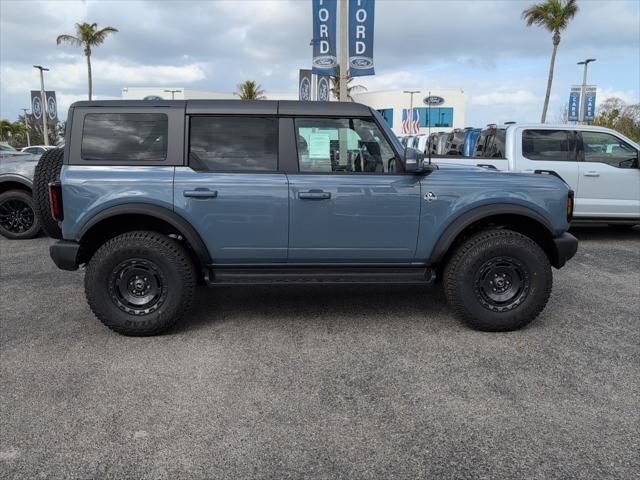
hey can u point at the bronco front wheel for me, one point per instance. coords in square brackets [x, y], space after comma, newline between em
[498, 280]
[140, 283]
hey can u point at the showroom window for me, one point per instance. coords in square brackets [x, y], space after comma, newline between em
[343, 145]
[387, 114]
[124, 137]
[233, 144]
[605, 148]
[550, 145]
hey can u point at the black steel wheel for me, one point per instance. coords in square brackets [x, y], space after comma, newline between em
[18, 219]
[502, 284]
[498, 280]
[137, 286]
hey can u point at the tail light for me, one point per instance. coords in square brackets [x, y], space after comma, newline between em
[55, 199]
[570, 196]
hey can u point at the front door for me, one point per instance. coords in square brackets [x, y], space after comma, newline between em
[609, 177]
[231, 192]
[348, 204]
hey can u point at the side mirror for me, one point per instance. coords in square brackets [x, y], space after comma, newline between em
[413, 161]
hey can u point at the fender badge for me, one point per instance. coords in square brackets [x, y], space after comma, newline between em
[430, 196]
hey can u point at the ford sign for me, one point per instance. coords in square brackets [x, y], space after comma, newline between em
[433, 100]
[361, 63]
[325, 62]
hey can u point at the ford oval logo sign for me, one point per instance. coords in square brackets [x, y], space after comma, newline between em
[326, 61]
[361, 63]
[433, 100]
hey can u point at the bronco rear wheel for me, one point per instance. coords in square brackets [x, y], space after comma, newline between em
[47, 170]
[140, 283]
[498, 280]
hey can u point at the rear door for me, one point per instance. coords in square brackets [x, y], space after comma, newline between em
[549, 150]
[348, 204]
[231, 190]
[609, 177]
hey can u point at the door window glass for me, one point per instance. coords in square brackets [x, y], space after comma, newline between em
[233, 143]
[605, 148]
[546, 145]
[343, 146]
[124, 137]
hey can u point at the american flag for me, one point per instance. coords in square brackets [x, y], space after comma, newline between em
[414, 127]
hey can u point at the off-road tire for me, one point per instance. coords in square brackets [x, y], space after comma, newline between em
[47, 170]
[466, 291]
[175, 270]
[24, 197]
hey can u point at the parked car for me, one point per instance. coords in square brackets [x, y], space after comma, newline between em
[455, 142]
[599, 164]
[37, 149]
[263, 195]
[438, 143]
[470, 139]
[18, 219]
[7, 149]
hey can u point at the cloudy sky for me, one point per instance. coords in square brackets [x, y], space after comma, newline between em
[481, 46]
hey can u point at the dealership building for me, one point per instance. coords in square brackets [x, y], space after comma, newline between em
[438, 109]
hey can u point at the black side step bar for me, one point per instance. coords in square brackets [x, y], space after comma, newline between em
[320, 276]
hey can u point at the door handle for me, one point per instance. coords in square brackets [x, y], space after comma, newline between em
[201, 193]
[314, 195]
[591, 174]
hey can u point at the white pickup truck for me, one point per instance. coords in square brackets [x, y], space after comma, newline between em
[601, 165]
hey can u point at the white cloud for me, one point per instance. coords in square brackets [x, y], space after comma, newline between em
[518, 97]
[628, 96]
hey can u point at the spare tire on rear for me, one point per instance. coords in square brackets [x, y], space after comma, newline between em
[47, 170]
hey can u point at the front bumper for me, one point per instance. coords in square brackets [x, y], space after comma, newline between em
[64, 254]
[566, 247]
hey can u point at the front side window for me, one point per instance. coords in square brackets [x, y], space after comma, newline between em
[342, 145]
[605, 148]
[551, 145]
[233, 144]
[125, 137]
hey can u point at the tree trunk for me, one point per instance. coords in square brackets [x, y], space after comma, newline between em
[549, 82]
[89, 73]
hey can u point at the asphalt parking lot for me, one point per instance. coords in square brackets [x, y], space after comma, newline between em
[323, 382]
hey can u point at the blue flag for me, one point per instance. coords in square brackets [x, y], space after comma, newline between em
[324, 37]
[361, 16]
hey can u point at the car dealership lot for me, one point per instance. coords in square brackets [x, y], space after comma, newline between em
[351, 382]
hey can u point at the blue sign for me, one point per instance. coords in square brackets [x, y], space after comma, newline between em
[323, 89]
[574, 105]
[589, 103]
[361, 16]
[304, 85]
[324, 37]
[36, 108]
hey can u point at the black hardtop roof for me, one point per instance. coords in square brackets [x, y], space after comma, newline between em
[241, 107]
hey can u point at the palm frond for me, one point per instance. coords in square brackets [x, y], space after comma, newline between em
[75, 41]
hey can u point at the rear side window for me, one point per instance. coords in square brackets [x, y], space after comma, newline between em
[233, 144]
[546, 145]
[113, 137]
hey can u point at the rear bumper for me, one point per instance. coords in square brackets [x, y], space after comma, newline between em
[566, 247]
[64, 254]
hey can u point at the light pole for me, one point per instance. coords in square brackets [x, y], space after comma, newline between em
[411, 92]
[583, 90]
[44, 103]
[173, 93]
[344, 50]
[26, 125]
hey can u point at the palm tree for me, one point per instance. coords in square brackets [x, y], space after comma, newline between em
[554, 15]
[335, 86]
[250, 90]
[87, 36]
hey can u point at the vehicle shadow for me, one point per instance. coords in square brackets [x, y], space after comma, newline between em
[321, 304]
[605, 232]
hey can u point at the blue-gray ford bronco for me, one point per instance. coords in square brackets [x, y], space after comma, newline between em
[156, 197]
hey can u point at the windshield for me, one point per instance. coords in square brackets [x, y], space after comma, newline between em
[5, 147]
